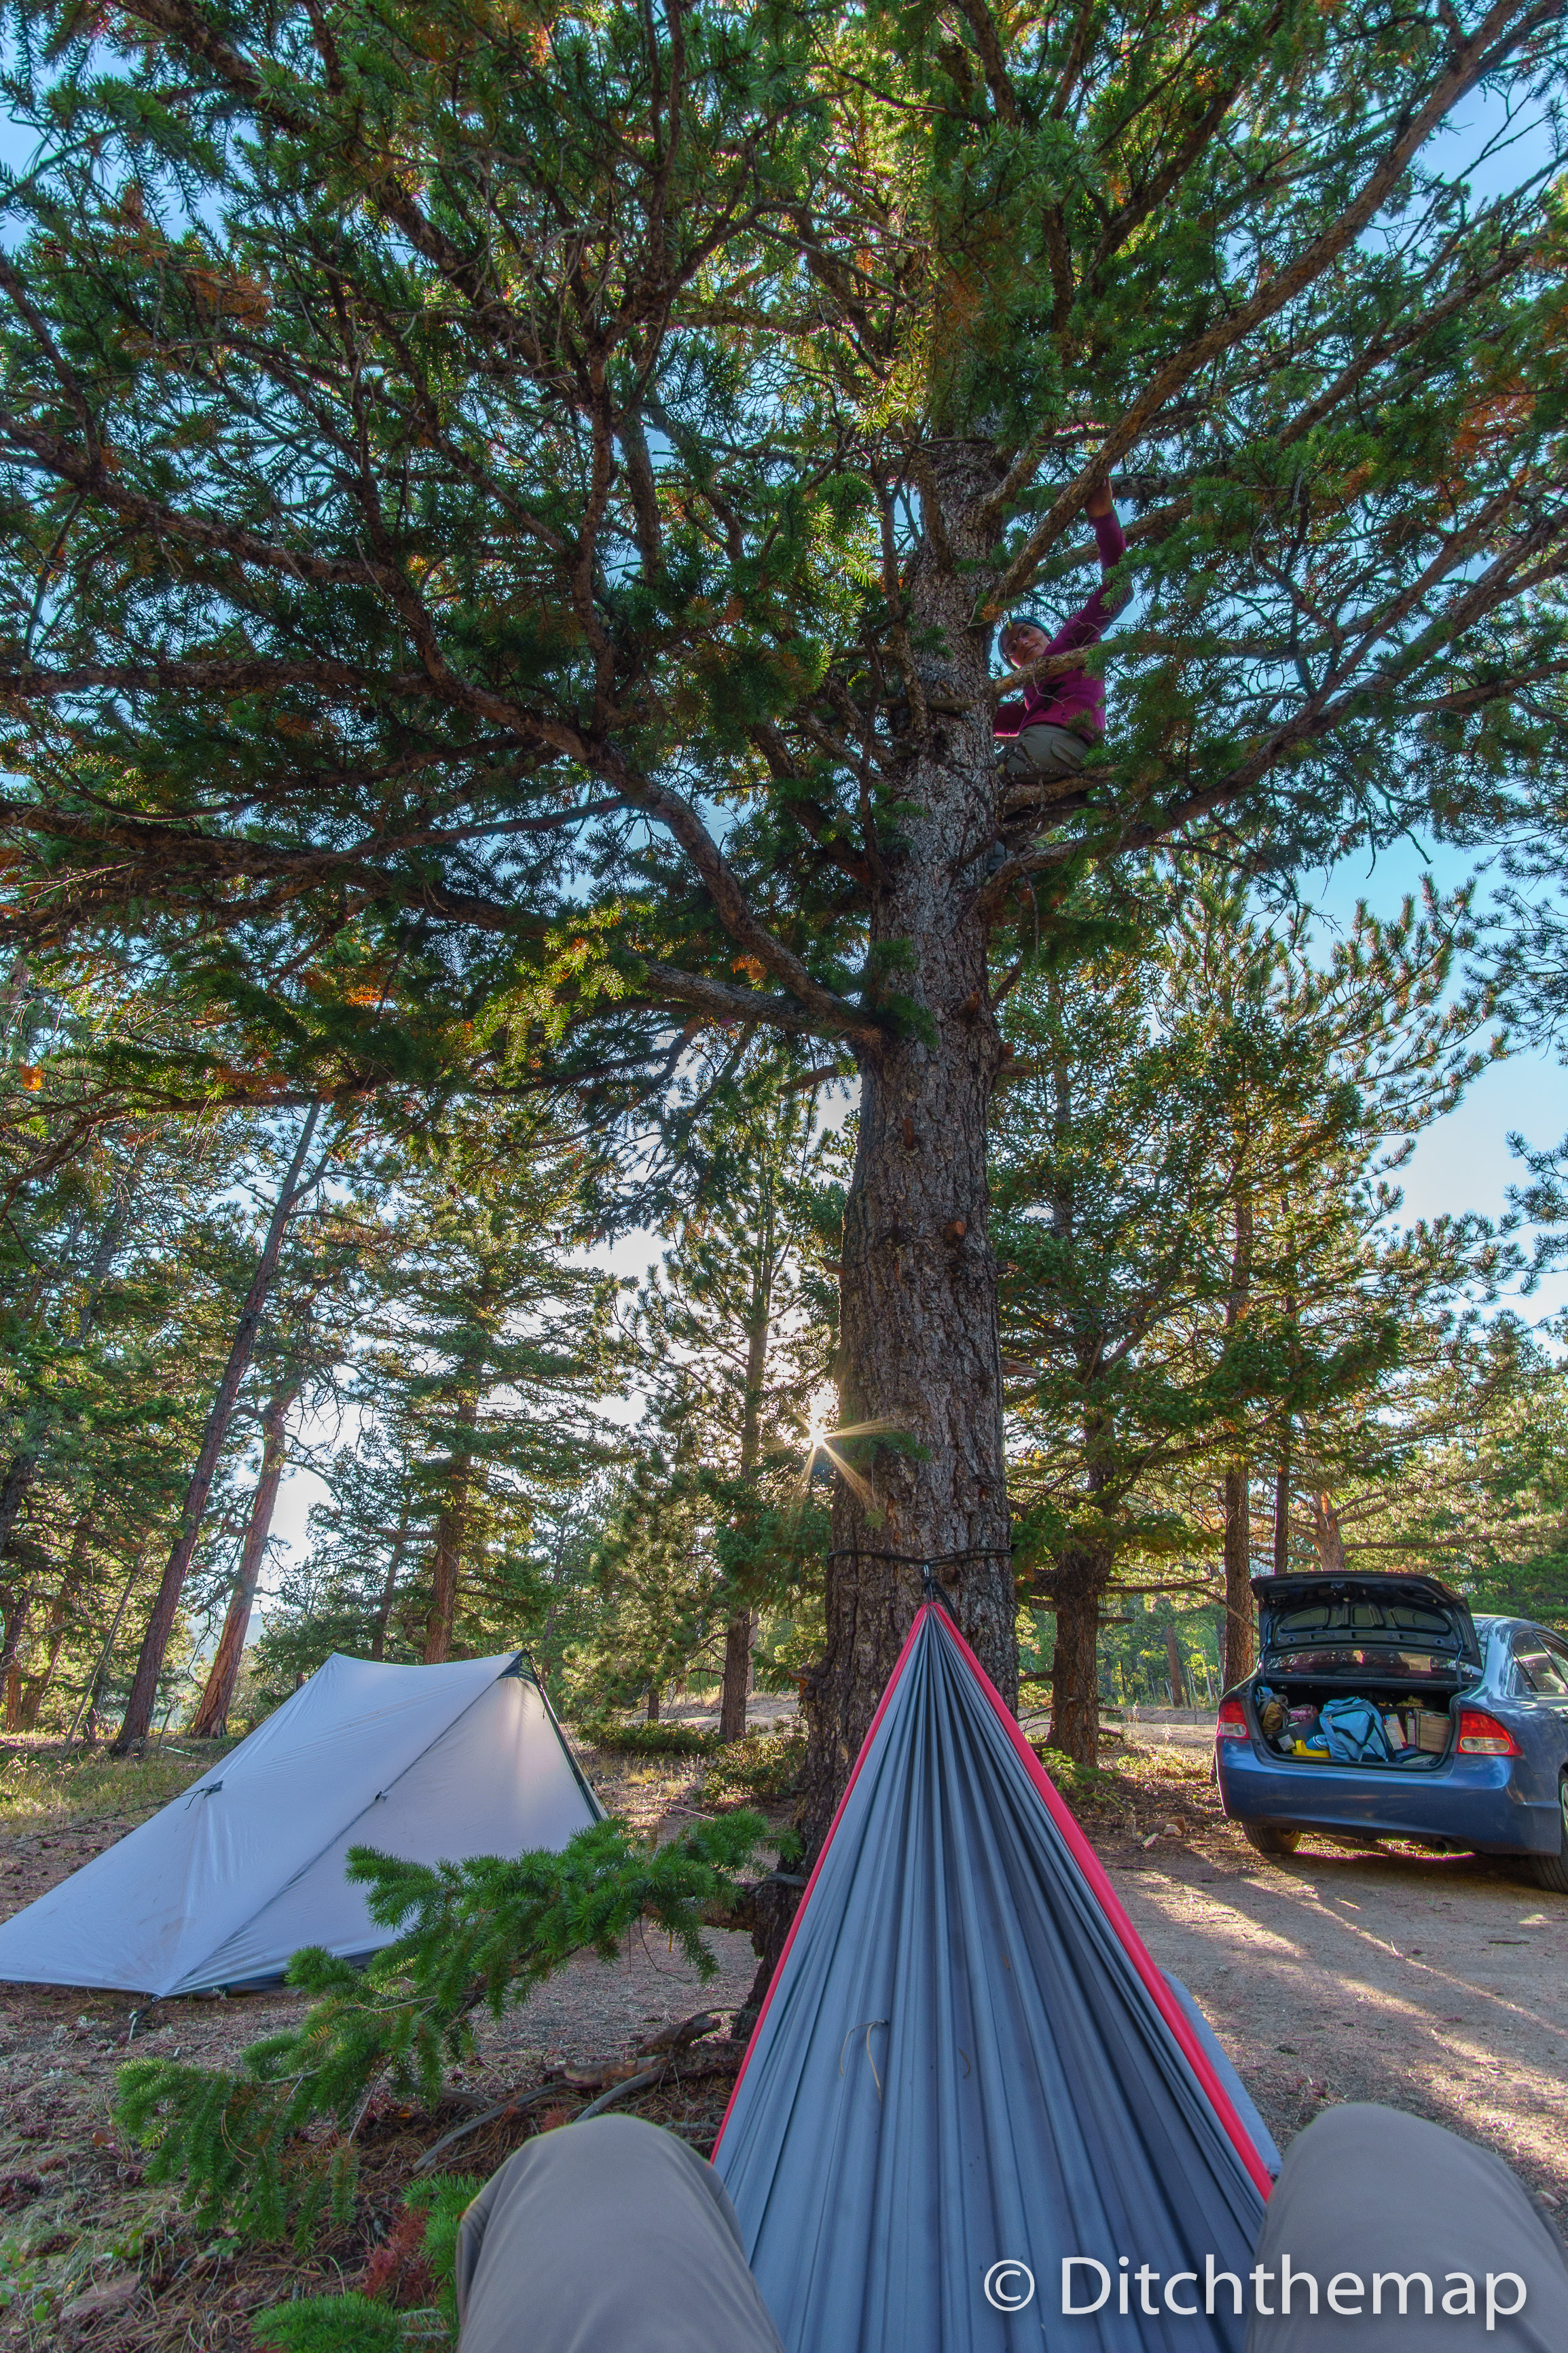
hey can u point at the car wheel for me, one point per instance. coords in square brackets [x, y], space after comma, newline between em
[1551, 1869]
[1272, 1841]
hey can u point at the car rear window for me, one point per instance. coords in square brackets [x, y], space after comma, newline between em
[1360, 1617]
[1383, 1659]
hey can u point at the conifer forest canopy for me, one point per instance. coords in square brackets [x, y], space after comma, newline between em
[506, 509]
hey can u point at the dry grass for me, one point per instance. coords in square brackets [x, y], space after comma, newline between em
[44, 1785]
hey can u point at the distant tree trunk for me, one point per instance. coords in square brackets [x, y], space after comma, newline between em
[389, 1590]
[159, 1624]
[1240, 1635]
[20, 1471]
[1240, 1643]
[1328, 1536]
[1173, 1653]
[738, 1638]
[1282, 1507]
[211, 1718]
[450, 1529]
[1082, 1574]
[741, 1631]
[62, 1609]
[1083, 1571]
[14, 1493]
[653, 1703]
[93, 1690]
[19, 1612]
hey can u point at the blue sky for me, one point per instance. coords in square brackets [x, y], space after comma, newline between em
[1463, 1162]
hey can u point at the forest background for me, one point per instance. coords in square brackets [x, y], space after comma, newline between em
[289, 1177]
[509, 1443]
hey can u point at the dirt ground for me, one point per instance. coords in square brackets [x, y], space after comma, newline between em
[1437, 1984]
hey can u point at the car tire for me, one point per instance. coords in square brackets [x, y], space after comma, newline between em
[1551, 1869]
[1270, 1841]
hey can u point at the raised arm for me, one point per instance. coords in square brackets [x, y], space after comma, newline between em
[1086, 626]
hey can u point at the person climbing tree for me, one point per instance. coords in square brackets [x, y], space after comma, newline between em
[1050, 733]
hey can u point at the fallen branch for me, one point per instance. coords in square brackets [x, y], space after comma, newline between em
[643, 2082]
[671, 2043]
[675, 2038]
[513, 2104]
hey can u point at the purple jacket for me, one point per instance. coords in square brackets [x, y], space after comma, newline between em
[1073, 697]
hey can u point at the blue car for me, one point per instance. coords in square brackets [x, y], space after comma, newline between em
[1382, 1708]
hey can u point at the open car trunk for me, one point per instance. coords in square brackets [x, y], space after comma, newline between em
[1362, 1670]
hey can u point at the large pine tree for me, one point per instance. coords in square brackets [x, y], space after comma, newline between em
[502, 517]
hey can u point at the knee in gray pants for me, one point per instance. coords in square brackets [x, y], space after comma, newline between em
[1043, 752]
[1368, 2194]
[607, 2237]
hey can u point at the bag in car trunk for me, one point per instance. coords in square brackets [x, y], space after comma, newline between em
[1412, 1736]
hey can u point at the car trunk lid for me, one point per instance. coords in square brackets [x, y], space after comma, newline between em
[1396, 1630]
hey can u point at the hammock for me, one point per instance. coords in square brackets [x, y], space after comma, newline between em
[967, 2059]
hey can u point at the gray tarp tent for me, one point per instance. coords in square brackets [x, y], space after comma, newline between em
[434, 1764]
[967, 2058]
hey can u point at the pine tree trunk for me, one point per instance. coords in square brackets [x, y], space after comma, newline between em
[740, 1632]
[1327, 1535]
[450, 1529]
[389, 1590]
[1240, 1640]
[23, 1468]
[1174, 1655]
[737, 1675]
[62, 1609]
[919, 1358]
[161, 1623]
[211, 1718]
[1081, 1579]
[19, 1613]
[1241, 1628]
[14, 1493]
[1282, 1507]
[652, 1716]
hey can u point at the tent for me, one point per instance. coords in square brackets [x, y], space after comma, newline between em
[220, 1887]
[968, 2069]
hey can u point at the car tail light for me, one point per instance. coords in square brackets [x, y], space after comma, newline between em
[1483, 1735]
[1232, 1724]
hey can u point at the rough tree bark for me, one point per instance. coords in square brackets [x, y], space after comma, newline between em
[13, 1492]
[1082, 1574]
[18, 1610]
[1240, 1622]
[739, 1635]
[161, 1622]
[451, 1527]
[211, 1718]
[1327, 1535]
[919, 1359]
[1282, 1506]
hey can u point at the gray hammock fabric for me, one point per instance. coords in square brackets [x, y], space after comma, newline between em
[968, 2058]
